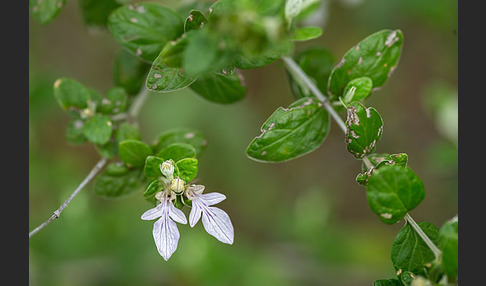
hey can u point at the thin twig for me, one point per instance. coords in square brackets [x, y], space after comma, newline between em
[101, 163]
[296, 71]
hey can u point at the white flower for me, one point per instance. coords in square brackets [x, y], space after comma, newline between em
[216, 222]
[165, 232]
[167, 169]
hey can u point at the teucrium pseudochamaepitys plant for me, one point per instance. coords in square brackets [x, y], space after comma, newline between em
[204, 48]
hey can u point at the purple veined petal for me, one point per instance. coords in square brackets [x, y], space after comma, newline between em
[212, 198]
[166, 236]
[176, 214]
[218, 224]
[195, 214]
[153, 213]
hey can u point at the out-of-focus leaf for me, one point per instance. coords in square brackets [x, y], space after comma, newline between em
[95, 12]
[133, 152]
[306, 33]
[45, 11]
[98, 129]
[449, 244]
[129, 71]
[183, 135]
[177, 151]
[225, 87]
[118, 180]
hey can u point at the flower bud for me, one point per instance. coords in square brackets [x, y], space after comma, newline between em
[177, 185]
[167, 169]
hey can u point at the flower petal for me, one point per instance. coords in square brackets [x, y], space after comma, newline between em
[212, 198]
[176, 214]
[195, 214]
[218, 224]
[153, 213]
[166, 236]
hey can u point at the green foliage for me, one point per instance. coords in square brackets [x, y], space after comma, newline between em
[387, 282]
[71, 94]
[306, 33]
[392, 191]
[291, 132]
[364, 128]
[357, 89]
[45, 11]
[95, 13]
[129, 71]
[226, 87]
[182, 135]
[144, 28]
[98, 129]
[133, 152]
[375, 57]
[409, 252]
[118, 180]
[187, 169]
[177, 151]
[449, 244]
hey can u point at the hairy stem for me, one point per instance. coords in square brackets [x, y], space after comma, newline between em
[96, 169]
[298, 73]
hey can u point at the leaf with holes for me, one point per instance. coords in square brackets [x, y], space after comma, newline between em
[392, 191]
[195, 21]
[144, 28]
[409, 251]
[375, 57]
[378, 161]
[364, 127]
[133, 152]
[225, 87]
[291, 132]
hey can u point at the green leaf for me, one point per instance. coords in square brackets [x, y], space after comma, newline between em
[357, 89]
[392, 191]
[95, 13]
[375, 57]
[225, 87]
[182, 135]
[70, 94]
[306, 33]
[202, 53]
[133, 152]
[152, 189]
[407, 277]
[291, 132]
[129, 71]
[127, 131]
[74, 131]
[449, 245]
[195, 21]
[115, 101]
[118, 180]
[378, 161]
[144, 28]
[364, 127]
[162, 78]
[45, 11]
[108, 150]
[409, 251]
[187, 169]
[317, 63]
[387, 282]
[177, 151]
[152, 167]
[98, 129]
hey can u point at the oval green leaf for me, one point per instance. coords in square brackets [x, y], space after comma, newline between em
[182, 135]
[306, 33]
[133, 152]
[187, 169]
[195, 21]
[392, 191]
[98, 129]
[375, 57]
[291, 132]
[144, 28]
[45, 11]
[153, 188]
[70, 93]
[449, 244]
[357, 89]
[177, 151]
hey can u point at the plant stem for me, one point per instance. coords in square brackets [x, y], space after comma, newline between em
[133, 113]
[101, 163]
[302, 76]
[425, 238]
[297, 72]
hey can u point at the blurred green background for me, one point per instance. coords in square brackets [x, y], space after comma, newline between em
[303, 222]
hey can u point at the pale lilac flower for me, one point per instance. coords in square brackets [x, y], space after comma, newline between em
[216, 222]
[165, 232]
